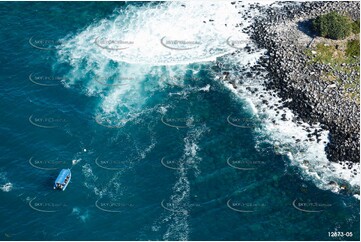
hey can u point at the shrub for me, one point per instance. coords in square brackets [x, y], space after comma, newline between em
[353, 48]
[333, 26]
[356, 27]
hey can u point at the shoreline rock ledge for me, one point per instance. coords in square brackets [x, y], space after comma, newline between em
[278, 29]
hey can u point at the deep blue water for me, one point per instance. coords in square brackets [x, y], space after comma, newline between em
[153, 178]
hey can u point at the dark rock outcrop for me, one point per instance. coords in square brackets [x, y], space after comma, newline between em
[313, 99]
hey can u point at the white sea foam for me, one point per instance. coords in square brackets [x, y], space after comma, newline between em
[144, 27]
[7, 187]
[121, 77]
[205, 88]
[79, 214]
[127, 74]
[113, 189]
[5, 184]
[177, 214]
[90, 178]
[310, 156]
[290, 138]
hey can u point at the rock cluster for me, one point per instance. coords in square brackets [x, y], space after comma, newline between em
[279, 29]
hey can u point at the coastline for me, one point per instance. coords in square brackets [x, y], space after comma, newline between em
[298, 83]
[183, 150]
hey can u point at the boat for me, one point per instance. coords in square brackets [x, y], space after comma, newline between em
[62, 180]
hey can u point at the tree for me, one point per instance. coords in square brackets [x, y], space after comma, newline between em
[333, 26]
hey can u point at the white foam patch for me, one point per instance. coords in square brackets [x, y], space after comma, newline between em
[127, 77]
[134, 34]
[7, 187]
[79, 214]
[5, 184]
[205, 88]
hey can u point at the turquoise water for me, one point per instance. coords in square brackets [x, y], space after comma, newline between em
[157, 151]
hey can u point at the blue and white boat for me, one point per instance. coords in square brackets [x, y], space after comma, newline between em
[63, 179]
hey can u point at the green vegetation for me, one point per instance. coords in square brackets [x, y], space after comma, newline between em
[335, 54]
[333, 26]
[353, 48]
[327, 54]
[341, 51]
[343, 56]
[356, 27]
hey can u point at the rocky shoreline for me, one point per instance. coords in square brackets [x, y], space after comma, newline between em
[279, 30]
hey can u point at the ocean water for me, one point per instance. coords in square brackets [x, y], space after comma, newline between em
[160, 147]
